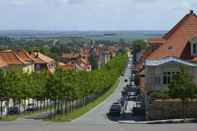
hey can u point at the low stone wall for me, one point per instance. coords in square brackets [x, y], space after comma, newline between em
[171, 109]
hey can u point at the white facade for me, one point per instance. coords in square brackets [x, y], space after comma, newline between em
[159, 73]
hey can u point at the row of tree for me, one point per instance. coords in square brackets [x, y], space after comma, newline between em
[62, 85]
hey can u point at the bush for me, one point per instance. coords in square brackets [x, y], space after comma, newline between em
[163, 94]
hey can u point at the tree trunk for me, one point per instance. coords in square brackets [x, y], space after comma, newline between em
[66, 106]
[1, 109]
[183, 108]
[19, 106]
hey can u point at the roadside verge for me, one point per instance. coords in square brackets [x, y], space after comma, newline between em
[83, 110]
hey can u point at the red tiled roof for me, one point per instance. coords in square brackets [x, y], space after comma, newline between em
[40, 58]
[2, 62]
[177, 38]
[25, 56]
[157, 40]
[67, 66]
[71, 55]
[10, 58]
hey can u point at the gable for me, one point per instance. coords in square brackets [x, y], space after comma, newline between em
[177, 38]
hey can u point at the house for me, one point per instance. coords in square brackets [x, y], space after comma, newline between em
[42, 62]
[70, 58]
[84, 65]
[175, 49]
[20, 59]
[104, 54]
[67, 67]
[13, 60]
[78, 61]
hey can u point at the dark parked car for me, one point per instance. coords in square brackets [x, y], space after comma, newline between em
[13, 110]
[132, 98]
[115, 109]
[138, 109]
[31, 107]
[136, 90]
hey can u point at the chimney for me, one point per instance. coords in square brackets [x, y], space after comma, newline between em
[36, 54]
[191, 12]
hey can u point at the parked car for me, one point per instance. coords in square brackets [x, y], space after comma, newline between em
[133, 83]
[124, 93]
[138, 109]
[13, 110]
[31, 107]
[131, 98]
[132, 93]
[115, 109]
[131, 78]
[134, 89]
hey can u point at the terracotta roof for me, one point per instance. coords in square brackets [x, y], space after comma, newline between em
[157, 40]
[71, 55]
[41, 58]
[45, 58]
[2, 62]
[25, 56]
[10, 58]
[67, 66]
[177, 38]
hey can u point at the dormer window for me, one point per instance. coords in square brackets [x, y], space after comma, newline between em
[194, 49]
[193, 44]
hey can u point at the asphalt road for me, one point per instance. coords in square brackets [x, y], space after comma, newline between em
[98, 115]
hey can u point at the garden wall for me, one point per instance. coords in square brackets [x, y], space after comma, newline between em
[170, 109]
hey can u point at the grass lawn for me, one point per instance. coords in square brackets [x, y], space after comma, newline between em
[79, 112]
[9, 118]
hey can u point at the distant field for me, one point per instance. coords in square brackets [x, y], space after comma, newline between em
[97, 35]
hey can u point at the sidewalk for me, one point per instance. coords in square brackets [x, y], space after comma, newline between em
[187, 120]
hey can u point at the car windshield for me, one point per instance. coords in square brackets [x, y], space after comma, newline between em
[115, 107]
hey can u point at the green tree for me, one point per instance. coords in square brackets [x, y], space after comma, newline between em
[182, 87]
[138, 46]
[93, 62]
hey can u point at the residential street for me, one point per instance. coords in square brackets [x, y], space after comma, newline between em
[98, 115]
[95, 120]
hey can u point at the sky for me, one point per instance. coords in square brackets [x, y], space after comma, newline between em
[79, 15]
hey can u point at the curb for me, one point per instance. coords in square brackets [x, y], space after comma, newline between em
[187, 120]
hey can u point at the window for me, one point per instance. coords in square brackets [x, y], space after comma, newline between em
[164, 78]
[193, 46]
[168, 76]
[194, 49]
